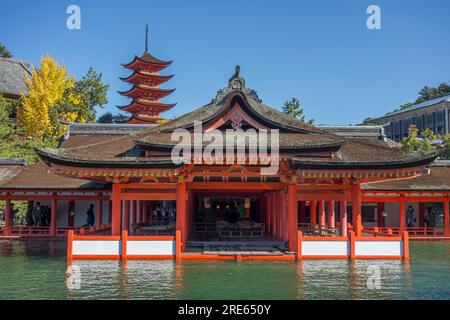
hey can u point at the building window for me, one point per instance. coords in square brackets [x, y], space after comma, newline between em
[440, 122]
[388, 131]
[429, 121]
[397, 131]
[405, 127]
[419, 122]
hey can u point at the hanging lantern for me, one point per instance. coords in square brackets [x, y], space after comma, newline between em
[207, 203]
[247, 203]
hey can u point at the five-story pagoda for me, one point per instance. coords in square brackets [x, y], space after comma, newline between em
[145, 93]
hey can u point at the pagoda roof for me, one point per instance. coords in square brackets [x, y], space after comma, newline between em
[139, 91]
[147, 61]
[139, 104]
[138, 77]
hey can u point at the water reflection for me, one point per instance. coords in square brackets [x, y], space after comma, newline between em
[39, 270]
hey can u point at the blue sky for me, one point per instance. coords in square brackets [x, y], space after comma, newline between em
[319, 51]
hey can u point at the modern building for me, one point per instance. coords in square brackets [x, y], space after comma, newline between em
[432, 114]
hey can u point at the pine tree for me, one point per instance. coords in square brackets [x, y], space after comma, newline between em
[292, 108]
[4, 53]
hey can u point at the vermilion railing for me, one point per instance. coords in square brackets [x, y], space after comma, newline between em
[412, 231]
[29, 231]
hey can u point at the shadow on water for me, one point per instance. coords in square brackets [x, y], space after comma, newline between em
[38, 270]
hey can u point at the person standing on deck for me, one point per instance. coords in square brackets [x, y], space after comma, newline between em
[410, 217]
[37, 214]
[90, 216]
[12, 214]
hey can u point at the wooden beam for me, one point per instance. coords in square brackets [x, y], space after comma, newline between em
[116, 210]
[356, 211]
[149, 196]
[235, 185]
[292, 217]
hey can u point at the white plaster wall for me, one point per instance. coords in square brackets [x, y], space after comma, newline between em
[379, 248]
[144, 247]
[96, 247]
[325, 248]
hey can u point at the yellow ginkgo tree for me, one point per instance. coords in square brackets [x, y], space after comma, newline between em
[47, 87]
[55, 97]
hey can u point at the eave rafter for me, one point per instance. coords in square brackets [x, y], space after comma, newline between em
[113, 175]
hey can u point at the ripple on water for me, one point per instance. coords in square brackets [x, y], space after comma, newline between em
[37, 270]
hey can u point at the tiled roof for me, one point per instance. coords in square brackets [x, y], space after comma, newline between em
[12, 76]
[37, 176]
[9, 168]
[437, 180]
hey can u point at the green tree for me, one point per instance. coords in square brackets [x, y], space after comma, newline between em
[13, 142]
[108, 117]
[426, 141]
[92, 92]
[4, 53]
[428, 93]
[293, 109]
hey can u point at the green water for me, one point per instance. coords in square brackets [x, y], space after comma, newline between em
[37, 270]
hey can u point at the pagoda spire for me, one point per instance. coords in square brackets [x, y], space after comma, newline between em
[146, 38]
[145, 107]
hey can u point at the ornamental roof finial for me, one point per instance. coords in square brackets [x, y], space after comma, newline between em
[237, 72]
[146, 38]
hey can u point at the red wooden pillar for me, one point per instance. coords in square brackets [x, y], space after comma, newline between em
[284, 212]
[7, 228]
[357, 216]
[293, 217]
[302, 212]
[331, 214]
[402, 214]
[343, 216]
[446, 218]
[380, 217]
[322, 213]
[421, 214]
[127, 214]
[280, 214]
[54, 211]
[116, 210]
[181, 210]
[313, 212]
[99, 212]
